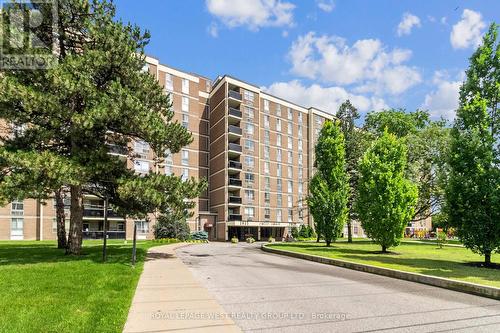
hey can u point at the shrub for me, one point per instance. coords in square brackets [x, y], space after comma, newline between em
[199, 235]
[295, 232]
[169, 227]
[271, 240]
[250, 240]
[441, 238]
[234, 240]
[304, 231]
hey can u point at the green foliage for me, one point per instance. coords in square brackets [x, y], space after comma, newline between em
[250, 240]
[473, 192]
[396, 121]
[199, 235]
[386, 198]
[171, 226]
[234, 240]
[441, 238]
[295, 232]
[304, 231]
[95, 98]
[329, 188]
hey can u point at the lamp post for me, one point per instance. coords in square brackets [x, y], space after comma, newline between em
[105, 229]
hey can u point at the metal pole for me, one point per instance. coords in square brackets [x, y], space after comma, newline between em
[134, 246]
[105, 229]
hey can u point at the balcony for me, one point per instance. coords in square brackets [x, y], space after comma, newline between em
[234, 217]
[234, 130]
[234, 149]
[96, 212]
[234, 95]
[235, 113]
[117, 149]
[234, 182]
[100, 234]
[234, 165]
[234, 200]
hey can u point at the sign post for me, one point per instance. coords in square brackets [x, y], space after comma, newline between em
[134, 246]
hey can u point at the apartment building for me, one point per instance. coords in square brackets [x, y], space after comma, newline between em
[255, 149]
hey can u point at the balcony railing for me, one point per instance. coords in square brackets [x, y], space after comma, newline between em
[234, 147]
[98, 213]
[234, 217]
[235, 165]
[117, 149]
[235, 112]
[235, 200]
[100, 234]
[235, 95]
[234, 130]
[234, 182]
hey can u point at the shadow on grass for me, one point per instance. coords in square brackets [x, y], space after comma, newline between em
[25, 254]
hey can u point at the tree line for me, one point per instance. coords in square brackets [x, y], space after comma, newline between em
[403, 166]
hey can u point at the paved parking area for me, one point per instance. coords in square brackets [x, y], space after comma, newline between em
[271, 293]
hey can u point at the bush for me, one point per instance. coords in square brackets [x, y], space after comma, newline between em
[234, 240]
[169, 227]
[250, 240]
[199, 235]
[441, 238]
[271, 240]
[166, 240]
[304, 231]
[295, 232]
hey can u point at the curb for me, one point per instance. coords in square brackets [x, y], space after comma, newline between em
[464, 287]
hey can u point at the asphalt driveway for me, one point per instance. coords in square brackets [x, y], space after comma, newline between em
[271, 293]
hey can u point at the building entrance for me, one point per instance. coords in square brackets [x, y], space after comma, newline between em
[242, 233]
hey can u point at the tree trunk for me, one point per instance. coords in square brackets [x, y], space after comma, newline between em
[349, 231]
[60, 220]
[317, 238]
[328, 242]
[384, 249]
[75, 222]
[487, 258]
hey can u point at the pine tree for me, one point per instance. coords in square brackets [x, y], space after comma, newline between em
[96, 96]
[386, 199]
[330, 185]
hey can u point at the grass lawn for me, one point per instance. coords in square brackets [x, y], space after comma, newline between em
[448, 262]
[42, 290]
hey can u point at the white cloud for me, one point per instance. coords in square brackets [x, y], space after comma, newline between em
[366, 63]
[444, 20]
[468, 31]
[326, 5]
[213, 30]
[323, 98]
[253, 14]
[443, 101]
[408, 22]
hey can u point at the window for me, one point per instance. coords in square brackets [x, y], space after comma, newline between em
[290, 157]
[185, 104]
[266, 105]
[266, 168]
[300, 159]
[266, 137]
[142, 226]
[278, 215]
[267, 197]
[168, 157]
[169, 170]
[278, 140]
[290, 142]
[145, 68]
[300, 131]
[185, 121]
[185, 157]
[17, 228]
[290, 201]
[17, 208]
[317, 120]
[267, 183]
[279, 170]
[141, 147]
[290, 128]
[301, 188]
[185, 174]
[249, 178]
[300, 118]
[208, 86]
[279, 185]
[300, 145]
[279, 199]
[249, 195]
[289, 171]
[290, 215]
[141, 166]
[266, 121]
[249, 145]
[250, 212]
[248, 96]
[290, 186]
[290, 114]
[250, 128]
[249, 112]
[278, 110]
[249, 161]
[278, 155]
[278, 125]
[301, 173]
[185, 86]
[169, 83]
[267, 213]
[266, 152]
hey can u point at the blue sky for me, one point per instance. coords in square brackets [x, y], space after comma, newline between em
[384, 53]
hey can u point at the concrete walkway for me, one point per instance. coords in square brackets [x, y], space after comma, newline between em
[169, 299]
